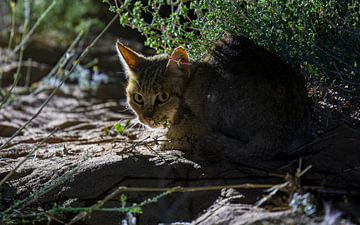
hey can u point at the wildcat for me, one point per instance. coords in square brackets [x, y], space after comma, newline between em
[239, 102]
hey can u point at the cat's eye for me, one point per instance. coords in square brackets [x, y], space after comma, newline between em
[138, 98]
[163, 97]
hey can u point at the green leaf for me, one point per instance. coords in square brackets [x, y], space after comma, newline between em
[123, 200]
[120, 129]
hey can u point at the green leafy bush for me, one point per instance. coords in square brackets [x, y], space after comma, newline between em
[322, 37]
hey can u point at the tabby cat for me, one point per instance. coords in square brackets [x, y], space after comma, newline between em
[239, 102]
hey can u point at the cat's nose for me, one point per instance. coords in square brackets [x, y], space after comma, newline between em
[148, 115]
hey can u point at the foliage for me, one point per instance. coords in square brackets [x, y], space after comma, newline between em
[67, 19]
[14, 211]
[120, 128]
[319, 36]
[56, 211]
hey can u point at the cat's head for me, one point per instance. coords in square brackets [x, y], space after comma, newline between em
[155, 84]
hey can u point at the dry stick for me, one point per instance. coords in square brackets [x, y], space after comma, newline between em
[116, 4]
[26, 158]
[180, 189]
[60, 84]
[37, 23]
[273, 190]
[52, 217]
[66, 56]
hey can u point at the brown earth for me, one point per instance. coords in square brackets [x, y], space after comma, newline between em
[88, 160]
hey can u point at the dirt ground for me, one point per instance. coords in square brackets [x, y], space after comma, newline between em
[85, 159]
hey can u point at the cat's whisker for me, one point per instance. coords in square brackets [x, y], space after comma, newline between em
[134, 124]
[127, 109]
[142, 126]
[137, 123]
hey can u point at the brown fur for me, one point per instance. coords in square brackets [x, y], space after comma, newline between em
[240, 101]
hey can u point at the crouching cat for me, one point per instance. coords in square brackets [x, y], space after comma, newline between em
[239, 102]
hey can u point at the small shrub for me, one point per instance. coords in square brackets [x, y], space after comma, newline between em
[320, 37]
[120, 128]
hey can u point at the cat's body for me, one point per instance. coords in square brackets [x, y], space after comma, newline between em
[240, 102]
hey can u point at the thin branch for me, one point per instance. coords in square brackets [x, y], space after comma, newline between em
[12, 31]
[66, 76]
[179, 189]
[37, 23]
[17, 75]
[66, 56]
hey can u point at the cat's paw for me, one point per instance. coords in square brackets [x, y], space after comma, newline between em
[180, 145]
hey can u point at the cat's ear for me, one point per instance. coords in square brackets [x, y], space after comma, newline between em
[129, 58]
[179, 62]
